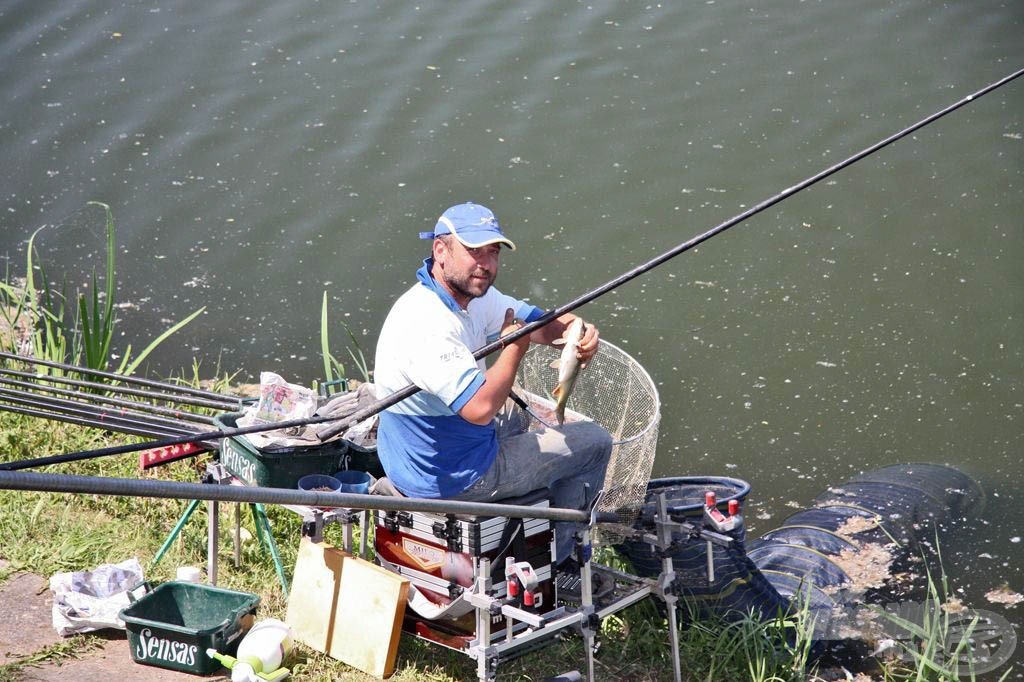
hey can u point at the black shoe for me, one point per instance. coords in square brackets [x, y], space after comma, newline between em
[569, 583]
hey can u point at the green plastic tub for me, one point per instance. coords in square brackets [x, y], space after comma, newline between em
[174, 625]
[283, 467]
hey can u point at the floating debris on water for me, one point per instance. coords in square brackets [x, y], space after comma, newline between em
[867, 566]
[856, 525]
[1004, 595]
[954, 605]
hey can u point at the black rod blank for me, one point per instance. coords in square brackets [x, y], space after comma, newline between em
[687, 245]
[94, 399]
[179, 391]
[144, 430]
[125, 487]
[97, 413]
[124, 390]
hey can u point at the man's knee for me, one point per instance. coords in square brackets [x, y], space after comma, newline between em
[598, 434]
[588, 437]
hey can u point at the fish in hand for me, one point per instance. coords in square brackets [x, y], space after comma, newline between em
[568, 365]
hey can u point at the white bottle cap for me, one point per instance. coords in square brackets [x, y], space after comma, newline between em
[243, 672]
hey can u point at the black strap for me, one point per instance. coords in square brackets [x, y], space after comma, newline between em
[512, 543]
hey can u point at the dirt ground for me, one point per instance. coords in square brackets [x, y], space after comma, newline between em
[27, 628]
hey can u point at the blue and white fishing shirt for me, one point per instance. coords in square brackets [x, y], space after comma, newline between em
[426, 448]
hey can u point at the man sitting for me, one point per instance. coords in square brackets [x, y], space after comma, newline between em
[457, 438]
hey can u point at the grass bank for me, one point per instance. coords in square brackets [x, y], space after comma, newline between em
[45, 533]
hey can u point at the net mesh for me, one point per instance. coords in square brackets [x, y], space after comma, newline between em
[615, 391]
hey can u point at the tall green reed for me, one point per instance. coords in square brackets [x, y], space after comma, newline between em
[84, 338]
[937, 641]
[334, 369]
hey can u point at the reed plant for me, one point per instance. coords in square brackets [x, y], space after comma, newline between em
[937, 643]
[34, 315]
[746, 647]
[222, 381]
[334, 369]
[96, 321]
[82, 336]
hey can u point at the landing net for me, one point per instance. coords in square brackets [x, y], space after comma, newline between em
[615, 391]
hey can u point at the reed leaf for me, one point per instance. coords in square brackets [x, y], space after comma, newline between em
[334, 370]
[358, 358]
[50, 330]
[129, 367]
[88, 338]
[97, 320]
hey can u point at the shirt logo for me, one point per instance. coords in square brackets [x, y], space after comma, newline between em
[452, 355]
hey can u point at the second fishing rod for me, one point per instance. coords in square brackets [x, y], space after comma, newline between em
[402, 394]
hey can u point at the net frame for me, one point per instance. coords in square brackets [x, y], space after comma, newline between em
[615, 391]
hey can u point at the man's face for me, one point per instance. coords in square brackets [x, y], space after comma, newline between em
[467, 272]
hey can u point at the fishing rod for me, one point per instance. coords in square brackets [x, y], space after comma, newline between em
[124, 390]
[178, 390]
[133, 487]
[86, 398]
[98, 413]
[112, 425]
[692, 242]
[403, 393]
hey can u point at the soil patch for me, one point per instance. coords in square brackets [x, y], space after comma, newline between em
[27, 628]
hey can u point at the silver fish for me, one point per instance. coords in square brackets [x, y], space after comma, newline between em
[568, 365]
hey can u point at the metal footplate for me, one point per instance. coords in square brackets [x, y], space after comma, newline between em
[527, 629]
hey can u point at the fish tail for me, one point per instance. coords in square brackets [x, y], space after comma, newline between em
[558, 394]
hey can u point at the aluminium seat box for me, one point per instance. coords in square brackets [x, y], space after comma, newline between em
[439, 553]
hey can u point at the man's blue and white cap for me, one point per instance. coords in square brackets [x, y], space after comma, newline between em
[472, 224]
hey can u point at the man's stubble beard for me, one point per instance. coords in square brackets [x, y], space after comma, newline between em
[461, 286]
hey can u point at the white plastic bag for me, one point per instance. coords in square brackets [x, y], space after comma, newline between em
[281, 401]
[84, 601]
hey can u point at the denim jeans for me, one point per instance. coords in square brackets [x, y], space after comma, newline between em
[563, 460]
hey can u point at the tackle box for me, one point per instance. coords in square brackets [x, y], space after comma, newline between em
[438, 553]
[283, 467]
[173, 625]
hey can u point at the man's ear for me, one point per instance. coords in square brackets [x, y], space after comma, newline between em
[437, 249]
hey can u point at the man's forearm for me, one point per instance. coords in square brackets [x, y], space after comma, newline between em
[498, 381]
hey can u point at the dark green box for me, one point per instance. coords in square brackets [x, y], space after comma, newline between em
[283, 467]
[174, 625]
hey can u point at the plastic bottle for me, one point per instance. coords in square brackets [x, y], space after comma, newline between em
[189, 574]
[260, 653]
